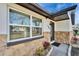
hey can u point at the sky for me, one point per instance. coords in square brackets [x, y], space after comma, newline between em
[77, 14]
[54, 7]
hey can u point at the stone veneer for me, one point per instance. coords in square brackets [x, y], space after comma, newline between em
[62, 37]
[23, 49]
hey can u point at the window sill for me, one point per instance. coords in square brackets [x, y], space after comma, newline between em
[22, 41]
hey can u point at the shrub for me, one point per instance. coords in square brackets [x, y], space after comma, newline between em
[39, 51]
[75, 32]
[74, 39]
[46, 44]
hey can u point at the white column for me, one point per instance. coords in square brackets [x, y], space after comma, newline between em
[70, 25]
[31, 26]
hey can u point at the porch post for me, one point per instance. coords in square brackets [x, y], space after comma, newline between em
[70, 25]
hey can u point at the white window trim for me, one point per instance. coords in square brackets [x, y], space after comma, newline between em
[14, 40]
[30, 25]
[19, 25]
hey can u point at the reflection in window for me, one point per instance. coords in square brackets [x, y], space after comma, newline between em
[36, 31]
[19, 18]
[19, 25]
[36, 22]
[17, 32]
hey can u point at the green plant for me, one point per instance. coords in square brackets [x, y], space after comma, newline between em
[75, 32]
[39, 51]
[78, 33]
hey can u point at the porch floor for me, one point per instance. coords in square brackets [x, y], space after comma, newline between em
[60, 50]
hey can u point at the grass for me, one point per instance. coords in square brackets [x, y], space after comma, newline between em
[18, 35]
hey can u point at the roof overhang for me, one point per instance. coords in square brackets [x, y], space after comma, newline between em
[63, 14]
[58, 16]
[64, 11]
[34, 7]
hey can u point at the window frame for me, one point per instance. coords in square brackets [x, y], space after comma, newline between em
[30, 26]
[33, 26]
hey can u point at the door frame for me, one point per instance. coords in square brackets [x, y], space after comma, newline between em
[52, 37]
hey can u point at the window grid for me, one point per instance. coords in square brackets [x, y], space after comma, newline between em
[30, 26]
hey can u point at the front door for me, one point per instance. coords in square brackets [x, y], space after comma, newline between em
[52, 30]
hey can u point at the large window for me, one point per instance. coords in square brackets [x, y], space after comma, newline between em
[22, 26]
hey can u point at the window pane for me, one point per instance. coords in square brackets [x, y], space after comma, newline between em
[36, 31]
[17, 32]
[27, 32]
[36, 22]
[19, 18]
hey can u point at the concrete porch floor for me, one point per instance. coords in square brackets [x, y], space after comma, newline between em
[62, 50]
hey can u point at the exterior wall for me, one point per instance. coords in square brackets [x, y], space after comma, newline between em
[3, 19]
[62, 31]
[27, 48]
[46, 25]
[62, 25]
[62, 37]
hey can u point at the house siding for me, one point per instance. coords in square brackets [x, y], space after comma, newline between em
[26, 48]
[63, 31]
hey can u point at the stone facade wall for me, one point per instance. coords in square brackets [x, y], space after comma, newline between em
[23, 49]
[2, 44]
[62, 37]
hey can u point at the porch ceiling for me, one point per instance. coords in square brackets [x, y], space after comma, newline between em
[58, 16]
[61, 17]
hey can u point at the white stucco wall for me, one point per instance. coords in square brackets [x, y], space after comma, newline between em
[46, 25]
[4, 17]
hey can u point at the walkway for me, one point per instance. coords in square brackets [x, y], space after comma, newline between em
[60, 51]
